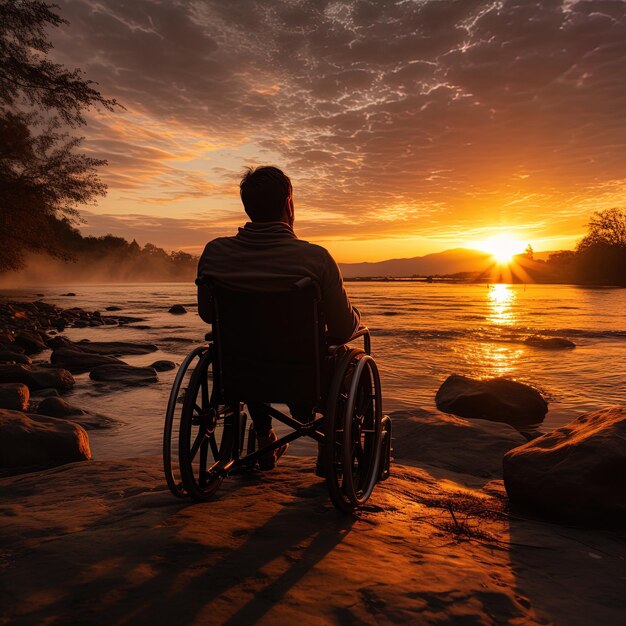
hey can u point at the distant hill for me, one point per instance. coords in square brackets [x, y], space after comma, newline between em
[447, 262]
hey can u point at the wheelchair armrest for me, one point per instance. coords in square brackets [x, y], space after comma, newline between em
[361, 331]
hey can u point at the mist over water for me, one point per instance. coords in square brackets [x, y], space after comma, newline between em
[99, 269]
[421, 333]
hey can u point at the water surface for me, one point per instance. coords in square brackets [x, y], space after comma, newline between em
[421, 334]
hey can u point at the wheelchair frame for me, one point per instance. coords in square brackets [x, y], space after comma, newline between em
[351, 427]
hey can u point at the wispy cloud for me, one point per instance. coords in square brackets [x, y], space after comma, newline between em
[394, 118]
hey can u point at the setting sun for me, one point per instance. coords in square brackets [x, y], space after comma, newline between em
[502, 247]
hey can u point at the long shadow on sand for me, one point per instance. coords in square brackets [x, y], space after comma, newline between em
[157, 560]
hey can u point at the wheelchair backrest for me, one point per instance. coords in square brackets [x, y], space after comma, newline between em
[268, 344]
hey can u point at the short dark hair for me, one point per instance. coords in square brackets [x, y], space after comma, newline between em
[264, 192]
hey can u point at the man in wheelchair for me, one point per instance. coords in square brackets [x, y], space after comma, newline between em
[281, 328]
[266, 256]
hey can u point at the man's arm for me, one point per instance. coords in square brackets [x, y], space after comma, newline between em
[342, 319]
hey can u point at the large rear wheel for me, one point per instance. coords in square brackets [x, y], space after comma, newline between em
[353, 431]
[207, 434]
[171, 462]
[361, 449]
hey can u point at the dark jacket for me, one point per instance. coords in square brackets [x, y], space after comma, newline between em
[268, 256]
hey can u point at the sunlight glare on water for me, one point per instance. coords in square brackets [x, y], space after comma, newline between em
[501, 299]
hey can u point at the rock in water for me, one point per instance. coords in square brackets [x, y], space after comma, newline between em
[177, 309]
[126, 374]
[37, 377]
[77, 361]
[14, 396]
[28, 440]
[115, 347]
[46, 393]
[6, 337]
[576, 473]
[14, 357]
[30, 341]
[60, 341]
[550, 343]
[57, 407]
[496, 399]
[163, 366]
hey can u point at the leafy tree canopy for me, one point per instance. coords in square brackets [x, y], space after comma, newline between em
[42, 176]
[27, 76]
[606, 228]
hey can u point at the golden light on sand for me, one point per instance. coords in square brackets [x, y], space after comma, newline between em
[502, 247]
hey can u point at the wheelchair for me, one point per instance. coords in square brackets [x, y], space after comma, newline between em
[270, 348]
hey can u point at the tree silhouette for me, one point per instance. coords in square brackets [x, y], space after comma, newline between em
[606, 227]
[42, 176]
[601, 253]
[529, 253]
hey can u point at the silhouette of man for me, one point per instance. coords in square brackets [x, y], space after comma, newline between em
[266, 255]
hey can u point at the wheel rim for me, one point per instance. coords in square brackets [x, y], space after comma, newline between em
[334, 418]
[362, 432]
[204, 444]
[171, 461]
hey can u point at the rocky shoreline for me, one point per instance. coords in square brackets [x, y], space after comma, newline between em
[32, 415]
[458, 533]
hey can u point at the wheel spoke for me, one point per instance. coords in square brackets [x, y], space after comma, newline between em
[205, 393]
[214, 449]
[357, 451]
[204, 448]
[196, 444]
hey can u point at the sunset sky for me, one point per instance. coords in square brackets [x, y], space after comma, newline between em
[407, 127]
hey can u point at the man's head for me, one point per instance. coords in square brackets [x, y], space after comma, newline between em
[266, 194]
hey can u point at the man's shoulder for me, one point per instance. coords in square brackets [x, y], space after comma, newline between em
[313, 248]
[219, 242]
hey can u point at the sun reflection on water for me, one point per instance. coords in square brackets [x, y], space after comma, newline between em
[498, 360]
[501, 299]
[487, 359]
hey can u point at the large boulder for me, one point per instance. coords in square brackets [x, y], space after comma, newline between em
[77, 361]
[472, 447]
[576, 473]
[496, 399]
[30, 341]
[37, 440]
[127, 374]
[57, 407]
[177, 309]
[115, 347]
[37, 377]
[14, 396]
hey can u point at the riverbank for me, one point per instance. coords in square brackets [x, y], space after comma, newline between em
[104, 542]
